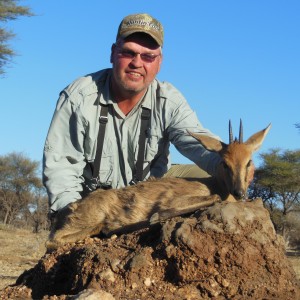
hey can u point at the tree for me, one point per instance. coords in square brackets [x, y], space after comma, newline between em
[38, 211]
[277, 182]
[18, 181]
[9, 10]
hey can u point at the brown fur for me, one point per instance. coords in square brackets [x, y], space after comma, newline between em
[109, 210]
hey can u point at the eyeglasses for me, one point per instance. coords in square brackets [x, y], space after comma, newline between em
[145, 57]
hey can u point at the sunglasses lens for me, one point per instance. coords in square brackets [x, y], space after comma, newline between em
[146, 57]
[127, 54]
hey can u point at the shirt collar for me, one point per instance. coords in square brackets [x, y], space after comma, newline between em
[105, 97]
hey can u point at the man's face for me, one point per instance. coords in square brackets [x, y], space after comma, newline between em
[136, 61]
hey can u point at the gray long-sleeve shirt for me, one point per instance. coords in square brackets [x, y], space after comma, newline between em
[71, 142]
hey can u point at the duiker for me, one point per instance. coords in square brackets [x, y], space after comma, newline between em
[107, 211]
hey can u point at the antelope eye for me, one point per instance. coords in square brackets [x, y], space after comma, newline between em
[225, 165]
[249, 163]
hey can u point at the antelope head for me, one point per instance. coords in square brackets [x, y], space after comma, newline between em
[236, 159]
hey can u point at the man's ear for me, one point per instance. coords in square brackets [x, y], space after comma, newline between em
[113, 47]
[160, 62]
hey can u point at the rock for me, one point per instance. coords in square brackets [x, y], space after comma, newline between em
[229, 251]
[90, 294]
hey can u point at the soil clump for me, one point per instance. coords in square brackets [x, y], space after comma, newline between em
[228, 251]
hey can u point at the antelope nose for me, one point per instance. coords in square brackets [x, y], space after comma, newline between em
[238, 194]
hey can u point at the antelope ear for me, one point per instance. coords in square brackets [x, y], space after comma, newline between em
[256, 140]
[208, 142]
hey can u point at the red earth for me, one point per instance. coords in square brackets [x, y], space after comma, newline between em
[228, 251]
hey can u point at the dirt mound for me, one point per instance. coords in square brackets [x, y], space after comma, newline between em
[229, 251]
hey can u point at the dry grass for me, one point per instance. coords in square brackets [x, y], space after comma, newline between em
[21, 249]
[294, 259]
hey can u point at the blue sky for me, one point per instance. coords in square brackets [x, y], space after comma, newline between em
[230, 59]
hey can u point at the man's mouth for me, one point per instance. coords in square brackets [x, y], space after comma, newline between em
[135, 75]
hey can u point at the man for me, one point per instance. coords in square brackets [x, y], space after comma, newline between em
[131, 94]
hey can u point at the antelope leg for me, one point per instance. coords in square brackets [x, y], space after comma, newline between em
[174, 212]
[164, 215]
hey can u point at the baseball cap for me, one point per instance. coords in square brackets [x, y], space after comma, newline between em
[141, 23]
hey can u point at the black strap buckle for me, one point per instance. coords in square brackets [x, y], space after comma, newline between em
[145, 113]
[97, 184]
[103, 119]
[95, 181]
[134, 181]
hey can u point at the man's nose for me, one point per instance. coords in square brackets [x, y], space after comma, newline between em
[137, 60]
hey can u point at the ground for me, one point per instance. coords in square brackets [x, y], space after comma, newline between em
[20, 250]
[226, 252]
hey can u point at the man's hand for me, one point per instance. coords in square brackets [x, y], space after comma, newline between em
[59, 218]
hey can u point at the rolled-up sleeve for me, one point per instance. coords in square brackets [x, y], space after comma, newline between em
[63, 159]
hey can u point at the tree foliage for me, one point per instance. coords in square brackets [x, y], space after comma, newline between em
[22, 196]
[9, 10]
[277, 182]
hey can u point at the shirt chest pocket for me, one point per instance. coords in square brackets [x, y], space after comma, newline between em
[153, 144]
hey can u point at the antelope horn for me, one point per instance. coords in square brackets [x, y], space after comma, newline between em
[241, 132]
[230, 133]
